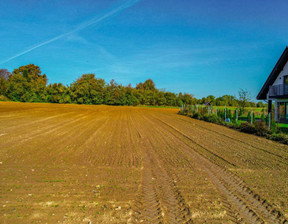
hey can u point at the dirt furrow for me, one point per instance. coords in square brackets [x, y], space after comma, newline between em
[235, 137]
[199, 145]
[232, 147]
[105, 164]
[42, 130]
[160, 189]
[250, 205]
[281, 158]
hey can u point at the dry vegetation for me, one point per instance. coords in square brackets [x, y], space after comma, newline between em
[101, 164]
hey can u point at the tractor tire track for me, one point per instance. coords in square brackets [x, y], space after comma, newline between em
[281, 158]
[241, 141]
[250, 206]
[245, 143]
[159, 201]
[199, 145]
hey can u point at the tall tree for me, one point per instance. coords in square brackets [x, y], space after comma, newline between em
[244, 97]
[57, 93]
[27, 84]
[147, 85]
[88, 90]
[4, 84]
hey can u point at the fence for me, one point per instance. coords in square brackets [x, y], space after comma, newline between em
[229, 114]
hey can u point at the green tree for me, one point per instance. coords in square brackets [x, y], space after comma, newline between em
[57, 93]
[171, 99]
[244, 97]
[131, 96]
[27, 84]
[186, 99]
[161, 100]
[4, 84]
[115, 94]
[147, 85]
[210, 99]
[88, 90]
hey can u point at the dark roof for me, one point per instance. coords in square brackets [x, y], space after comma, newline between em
[273, 75]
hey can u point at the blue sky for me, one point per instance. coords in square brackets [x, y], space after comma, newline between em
[199, 47]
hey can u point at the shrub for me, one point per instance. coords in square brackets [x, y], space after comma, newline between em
[197, 116]
[3, 98]
[261, 128]
[247, 128]
[181, 112]
[279, 137]
[213, 118]
[205, 117]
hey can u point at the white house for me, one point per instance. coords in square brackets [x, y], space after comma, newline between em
[276, 89]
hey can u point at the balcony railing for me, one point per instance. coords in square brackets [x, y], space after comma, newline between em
[278, 90]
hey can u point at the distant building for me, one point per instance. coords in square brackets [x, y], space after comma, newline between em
[276, 89]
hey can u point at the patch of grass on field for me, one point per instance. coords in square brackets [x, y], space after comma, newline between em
[283, 125]
[168, 107]
[258, 109]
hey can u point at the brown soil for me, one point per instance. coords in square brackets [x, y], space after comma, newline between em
[101, 164]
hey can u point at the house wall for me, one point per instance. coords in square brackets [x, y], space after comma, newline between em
[280, 78]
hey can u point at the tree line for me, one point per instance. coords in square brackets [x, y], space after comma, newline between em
[28, 84]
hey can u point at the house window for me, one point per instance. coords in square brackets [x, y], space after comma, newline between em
[286, 80]
[286, 85]
[282, 111]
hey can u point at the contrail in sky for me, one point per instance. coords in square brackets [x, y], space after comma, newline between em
[93, 21]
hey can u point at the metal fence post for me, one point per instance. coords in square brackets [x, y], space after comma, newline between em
[269, 121]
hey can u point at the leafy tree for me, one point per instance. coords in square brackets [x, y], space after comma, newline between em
[27, 84]
[171, 99]
[4, 84]
[210, 99]
[57, 93]
[149, 98]
[147, 85]
[131, 96]
[260, 104]
[112, 93]
[161, 100]
[244, 97]
[88, 90]
[186, 99]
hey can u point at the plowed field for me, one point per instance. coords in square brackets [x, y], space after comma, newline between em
[101, 164]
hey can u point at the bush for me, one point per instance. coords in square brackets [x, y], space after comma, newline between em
[261, 128]
[197, 116]
[279, 138]
[213, 118]
[3, 98]
[181, 112]
[258, 128]
[247, 128]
